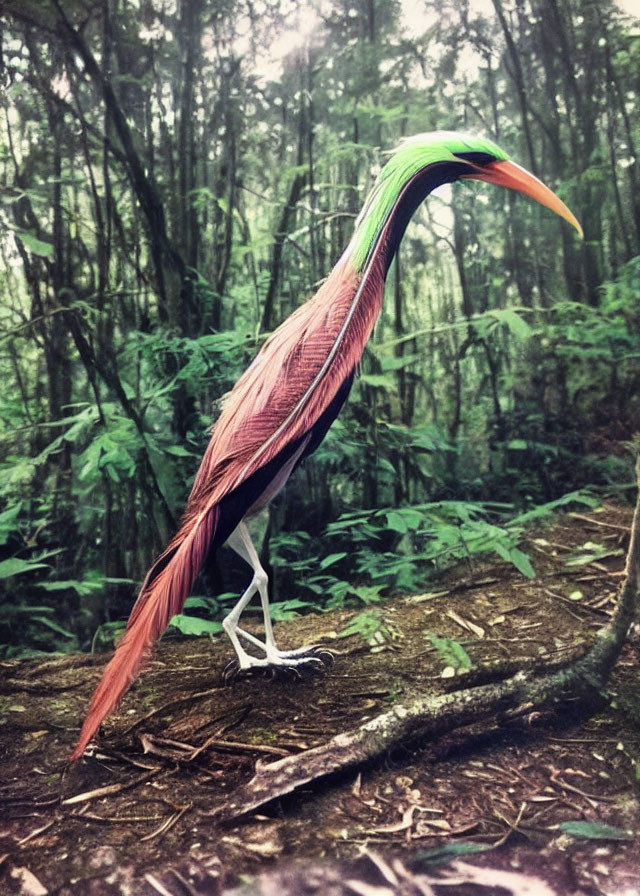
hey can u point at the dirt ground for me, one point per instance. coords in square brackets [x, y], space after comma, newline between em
[136, 817]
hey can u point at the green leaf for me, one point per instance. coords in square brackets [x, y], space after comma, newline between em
[111, 472]
[430, 438]
[84, 588]
[516, 324]
[577, 497]
[49, 623]
[200, 603]
[522, 563]
[192, 625]
[7, 520]
[594, 830]
[378, 380]
[449, 851]
[178, 451]
[14, 566]
[514, 555]
[330, 559]
[368, 624]
[414, 518]
[288, 609]
[30, 610]
[450, 652]
[589, 552]
[35, 245]
[397, 522]
[368, 594]
[397, 363]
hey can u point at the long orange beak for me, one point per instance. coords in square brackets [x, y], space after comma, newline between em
[508, 174]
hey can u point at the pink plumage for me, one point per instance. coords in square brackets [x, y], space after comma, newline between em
[290, 383]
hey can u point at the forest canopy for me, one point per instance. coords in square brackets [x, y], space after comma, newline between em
[177, 176]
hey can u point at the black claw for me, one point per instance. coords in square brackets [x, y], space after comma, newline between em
[313, 663]
[326, 656]
[230, 672]
[291, 672]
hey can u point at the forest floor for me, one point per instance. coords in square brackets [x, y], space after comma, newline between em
[136, 816]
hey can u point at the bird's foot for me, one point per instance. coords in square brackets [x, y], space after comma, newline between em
[299, 663]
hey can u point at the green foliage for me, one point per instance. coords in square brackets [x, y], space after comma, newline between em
[487, 325]
[591, 552]
[450, 851]
[107, 635]
[370, 625]
[504, 372]
[27, 630]
[8, 522]
[13, 566]
[192, 625]
[113, 451]
[397, 551]
[594, 830]
[200, 621]
[35, 245]
[288, 609]
[450, 652]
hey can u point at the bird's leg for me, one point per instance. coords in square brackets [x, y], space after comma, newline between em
[240, 541]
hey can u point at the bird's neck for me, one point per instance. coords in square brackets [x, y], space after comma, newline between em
[391, 205]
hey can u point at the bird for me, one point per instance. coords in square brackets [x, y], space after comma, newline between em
[284, 403]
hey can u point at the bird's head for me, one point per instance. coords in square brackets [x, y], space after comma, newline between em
[488, 163]
[422, 163]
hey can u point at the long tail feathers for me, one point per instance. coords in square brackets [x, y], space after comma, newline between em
[162, 595]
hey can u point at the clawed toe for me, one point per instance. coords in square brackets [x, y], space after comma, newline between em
[233, 672]
[288, 664]
[309, 655]
[327, 657]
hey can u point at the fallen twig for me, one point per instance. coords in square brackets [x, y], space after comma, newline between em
[167, 824]
[108, 789]
[36, 833]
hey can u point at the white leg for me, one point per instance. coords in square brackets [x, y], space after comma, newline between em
[240, 541]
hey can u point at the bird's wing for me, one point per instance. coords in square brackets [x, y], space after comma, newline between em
[291, 381]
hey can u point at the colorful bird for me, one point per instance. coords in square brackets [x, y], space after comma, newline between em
[282, 406]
